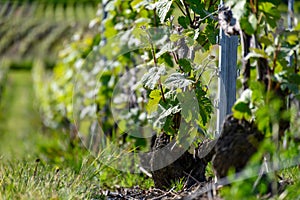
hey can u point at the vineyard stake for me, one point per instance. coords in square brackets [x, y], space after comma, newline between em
[227, 76]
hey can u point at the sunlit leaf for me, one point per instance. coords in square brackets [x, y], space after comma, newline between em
[238, 9]
[177, 80]
[256, 53]
[150, 79]
[163, 7]
[155, 97]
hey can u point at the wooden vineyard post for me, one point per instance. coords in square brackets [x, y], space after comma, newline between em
[227, 76]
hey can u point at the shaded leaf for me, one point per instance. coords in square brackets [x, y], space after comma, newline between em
[185, 64]
[183, 21]
[175, 37]
[197, 6]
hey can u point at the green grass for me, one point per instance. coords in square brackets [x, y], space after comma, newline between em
[37, 163]
[37, 180]
[29, 179]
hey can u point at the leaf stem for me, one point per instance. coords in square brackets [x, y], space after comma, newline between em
[155, 63]
[296, 62]
[181, 9]
[162, 91]
[188, 14]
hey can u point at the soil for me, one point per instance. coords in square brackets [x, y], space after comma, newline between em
[198, 191]
[186, 166]
[238, 141]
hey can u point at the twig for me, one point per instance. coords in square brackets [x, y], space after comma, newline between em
[188, 14]
[155, 63]
[179, 6]
[296, 62]
[145, 171]
[155, 18]
[190, 176]
[162, 91]
[165, 193]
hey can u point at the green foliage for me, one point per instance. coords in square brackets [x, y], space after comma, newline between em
[143, 68]
[178, 185]
[163, 8]
[267, 101]
[264, 102]
[252, 185]
[170, 87]
[151, 78]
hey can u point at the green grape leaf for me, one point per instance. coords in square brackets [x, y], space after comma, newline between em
[189, 105]
[242, 107]
[155, 97]
[162, 114]
[271, 12]
[183, 21]
[239, 9]
[163, 7]
[205, 109]
[138, 4]
[175, 37]
[150, 79]
[249, 24]
[292, 39]
[185, 64]
[165, 49]
[167, 59]
[177, 80]
[269, 9]
[197, 6]
[256, 53]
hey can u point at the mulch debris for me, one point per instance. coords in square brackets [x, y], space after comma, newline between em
[201, 191]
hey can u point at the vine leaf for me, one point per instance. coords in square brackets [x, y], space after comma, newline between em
[150, 79]
[155, 97]
[189, 105]
[160, 116]
[183, 21]
[137, 5]
[239, 9]
[197, 6]
[185, 64]
[163, 7]
[271, 12]
[177, 80]
[165, 49]
[242, 107]
[257, 53]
